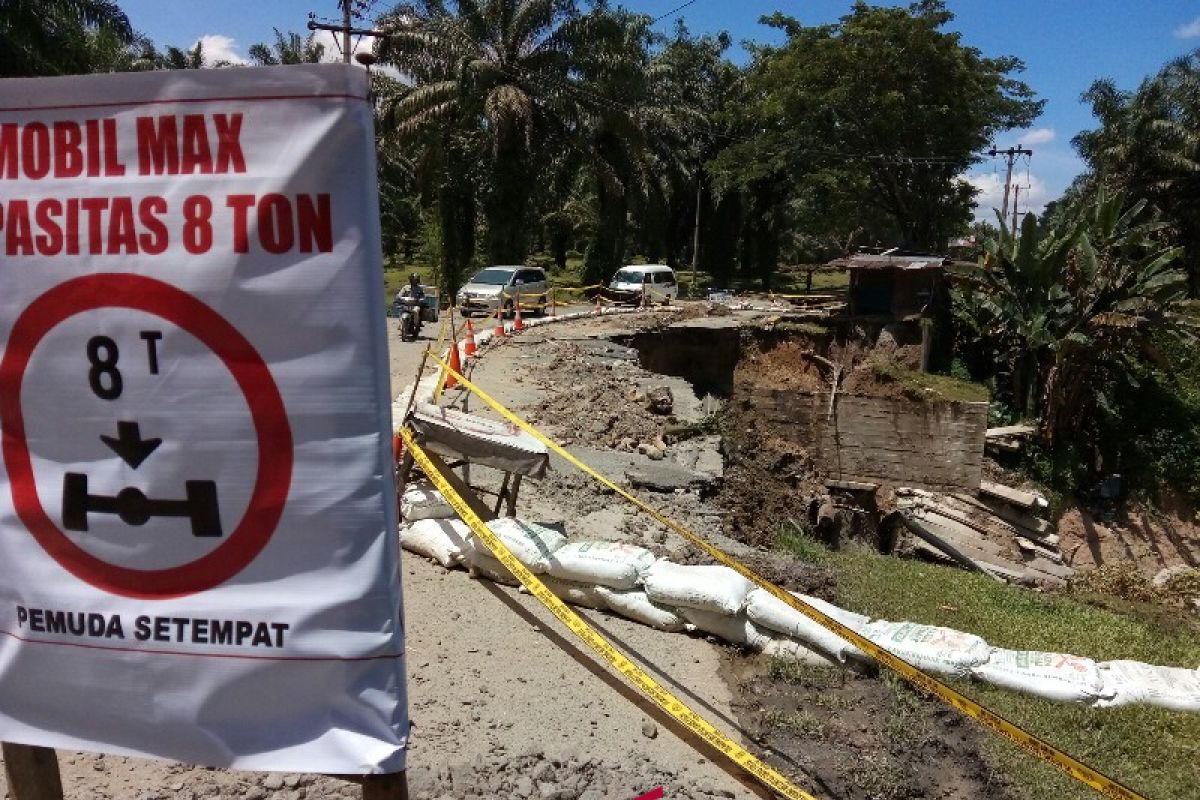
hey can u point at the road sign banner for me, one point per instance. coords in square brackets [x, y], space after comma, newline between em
[197, 509]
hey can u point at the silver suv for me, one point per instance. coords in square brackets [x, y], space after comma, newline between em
[496, 287]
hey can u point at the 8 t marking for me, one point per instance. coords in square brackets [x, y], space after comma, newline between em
[131, 504]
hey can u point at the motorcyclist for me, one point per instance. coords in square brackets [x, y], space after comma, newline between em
[412, 295]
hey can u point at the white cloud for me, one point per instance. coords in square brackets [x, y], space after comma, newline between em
[1038, 136]
[217, 47]
[1027, 138]
[1032, 197]
[333, 51]
[1188, 30]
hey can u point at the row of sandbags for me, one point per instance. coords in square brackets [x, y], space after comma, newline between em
[632, 582]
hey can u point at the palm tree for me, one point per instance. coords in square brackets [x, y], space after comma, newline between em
[289, 48]
[1148, 145]
[496, 72]
[49, 37]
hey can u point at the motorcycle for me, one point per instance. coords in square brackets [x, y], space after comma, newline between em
[410, 317]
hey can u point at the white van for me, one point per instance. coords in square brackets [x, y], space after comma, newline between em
[656, 281]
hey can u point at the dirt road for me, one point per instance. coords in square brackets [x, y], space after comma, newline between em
[504, 702]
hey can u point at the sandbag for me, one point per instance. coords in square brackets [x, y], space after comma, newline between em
[482, 565]
[942, 651]
[792, 650]
[443, 540]
[576, 594]
[768, 611]
[1054, 676]
[531, 543]
[614, 564]
[735, 629]
[1128, 682]
[422, 501]
[637, 606]
[709, 588]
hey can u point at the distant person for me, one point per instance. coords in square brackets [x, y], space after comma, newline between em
[413, 289]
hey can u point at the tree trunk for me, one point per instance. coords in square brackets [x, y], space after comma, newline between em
[506, 207]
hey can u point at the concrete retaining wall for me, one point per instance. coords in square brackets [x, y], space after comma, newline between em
[927, 443]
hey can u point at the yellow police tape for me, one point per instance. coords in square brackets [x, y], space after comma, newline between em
[1027, 741]
[632, 672]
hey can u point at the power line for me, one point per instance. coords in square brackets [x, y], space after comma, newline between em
[672, 12]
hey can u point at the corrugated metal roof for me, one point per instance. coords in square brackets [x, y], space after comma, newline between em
[872, 261]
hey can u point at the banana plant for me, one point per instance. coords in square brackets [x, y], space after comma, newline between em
[1066, 307]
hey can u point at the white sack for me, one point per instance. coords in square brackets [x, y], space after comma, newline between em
[1055, 676]
[710, 588]
[422, 501]
[767, 611]
[943, 651]
[792, 650]
[614, 564]
[531, 543]
[737, 629]
[482, 565]
[576, 594]
[1128, 682]
[443, 540]
[637, 606]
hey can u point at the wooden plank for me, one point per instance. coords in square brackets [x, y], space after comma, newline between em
[957, 534]
[852, 486]
[1010, 430]
[1017, 497]
[932, 539]
[1033, 527]
[32, 772]
[1032, 547]
[1048, 567]
[393, 786]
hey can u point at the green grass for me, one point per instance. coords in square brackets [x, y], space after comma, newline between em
[1153, 750]
[810, 676]
[799, 723]
[925, 384]
[797, 541]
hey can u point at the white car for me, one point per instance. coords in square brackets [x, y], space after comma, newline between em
[498, 286]
[655, 281]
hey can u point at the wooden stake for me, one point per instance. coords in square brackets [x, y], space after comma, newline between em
[385, 787]
[32, 772]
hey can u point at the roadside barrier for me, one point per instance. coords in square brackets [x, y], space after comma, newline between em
[470, 348]
[1027, 741]
[589, 636]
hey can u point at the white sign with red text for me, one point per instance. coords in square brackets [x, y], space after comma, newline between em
[197, 510]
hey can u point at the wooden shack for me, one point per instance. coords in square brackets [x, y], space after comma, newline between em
[893, 287]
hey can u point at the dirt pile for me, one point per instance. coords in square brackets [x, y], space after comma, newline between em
[607, 408]
[768, 479]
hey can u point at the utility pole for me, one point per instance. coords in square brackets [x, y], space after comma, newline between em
[1016, 200]
[1011, 155]
[696, 236]
[345, 30]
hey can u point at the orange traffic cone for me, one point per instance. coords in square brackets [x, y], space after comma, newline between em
[469, 347]
[499, 322]
[456, 365]
[518, 324]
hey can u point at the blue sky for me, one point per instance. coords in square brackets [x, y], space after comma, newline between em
[1066, 44]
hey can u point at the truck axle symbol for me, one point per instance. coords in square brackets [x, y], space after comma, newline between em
[134, 508]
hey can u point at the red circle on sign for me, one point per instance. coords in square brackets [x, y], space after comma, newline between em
[272, 481]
